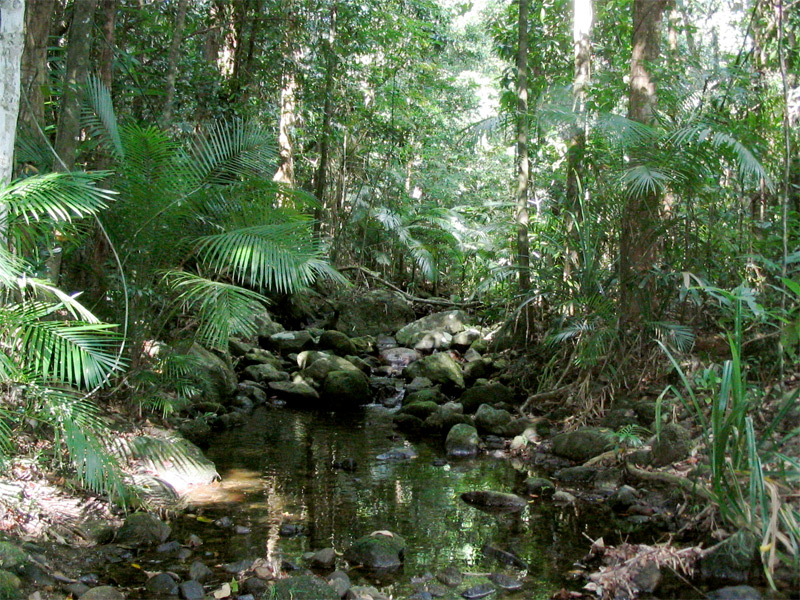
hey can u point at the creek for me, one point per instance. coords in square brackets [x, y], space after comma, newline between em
[282, 470]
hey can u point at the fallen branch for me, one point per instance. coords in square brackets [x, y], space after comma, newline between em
[406, 295]
[686, 485]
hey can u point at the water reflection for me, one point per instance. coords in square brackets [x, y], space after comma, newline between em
[281, 468]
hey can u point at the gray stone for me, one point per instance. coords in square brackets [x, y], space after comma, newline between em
[199, 572]
[462, 441]
[419, 383]
[452, 321]
[191, 590]
[622, 499]
[494, 421]
[451, 577]
[286, 342]
[463, 340]
[583, 444]
[265, 373]
[489, 393]
[421, 409]
[298, 391]
[439, 368]
[259, 356]
[504, 582]
[364, 592]
[477, 369]
[265, 326]
[576, 475]
[539, 486]
[104, 592]
[673, 445]
[303, 587]
[471, 355]
[562, 497]
[323, 559]
[377, 551]
[494, 501]
[446, 416]
[399, 358]
[346, 389]
[162, 583]
[337, 342]
[372, 312]
[317, 371]
[220, 377]
[478, 591]
[142, 529]
[339, 581]
[736, 592]
[431, 340]
[254, 585]
[648, 577]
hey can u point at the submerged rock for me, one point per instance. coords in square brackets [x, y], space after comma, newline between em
[503, 556]
[539, 486]
[504, 582]
[378, 550]
[494, 501]
[479, 591]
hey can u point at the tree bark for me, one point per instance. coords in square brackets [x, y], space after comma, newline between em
[105, 62]
[327, 117]
[583, 15]
[34, 63]
[523, 165]
[77, 69]
[638, 233]
[288, 100]
[172, 62]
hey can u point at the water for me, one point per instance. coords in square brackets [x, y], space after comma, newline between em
[280, 469]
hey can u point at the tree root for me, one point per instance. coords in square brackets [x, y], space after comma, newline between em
[687, 485]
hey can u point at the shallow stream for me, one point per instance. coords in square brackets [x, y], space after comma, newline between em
[283, 468]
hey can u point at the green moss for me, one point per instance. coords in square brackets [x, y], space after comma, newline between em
[9, 585]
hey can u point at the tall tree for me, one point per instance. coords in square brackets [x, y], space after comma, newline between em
[105, 61]
[34, 62]
[327, 117]
[523, 165]
[12, 20]
[639, 227]
[172, 62]
[77, 69]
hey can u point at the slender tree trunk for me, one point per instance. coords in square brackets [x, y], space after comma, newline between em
[105, 62]
[327, 117]
[12, 38]
[288, 100]
[77, 69]
[172, 62]
[582, 55]
[523, 165]
[638, 234]
[34, 63]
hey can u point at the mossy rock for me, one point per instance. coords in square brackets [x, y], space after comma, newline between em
[421, 409]
[377, 551]
[10, 585]
[583, 444]
[439, 368]
[426, 395]
[488, 393]
[673, 445]
[337, 342]
[12, 557]
[462, 441]
[346, 389]
[302, 587]
[142, 529]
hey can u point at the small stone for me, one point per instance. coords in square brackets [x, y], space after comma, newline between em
[504, 582]
[194, 541]
[75, 589]
[199, 572]
[192, 590]
[562, 497]
[238, 567]
[104, 592]
[163, 583]
[169, 548]
[241, 530]
[323, 559]
[224, 522]
[90, 579]
[478, 591]
[254, 585]
[451, 577]
[339, 581]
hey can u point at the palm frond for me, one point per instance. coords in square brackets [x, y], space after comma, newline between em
[59, 196]
[644, 179]
[101, 120]
[674, 335]
[222, 309]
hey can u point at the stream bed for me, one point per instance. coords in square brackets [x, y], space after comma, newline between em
[305, 481]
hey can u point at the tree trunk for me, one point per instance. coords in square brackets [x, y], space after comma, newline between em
[77, 69]
[105, 62]
[576, 147]
[34, 63]
[327, 117]
[288, 101]
[523, 166]
[638, 233]
[12, 23]
[172, 62]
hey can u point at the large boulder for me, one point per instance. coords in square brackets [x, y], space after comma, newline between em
[583, 444]
[316, 373]
[451, 321]
[462, 441]
[378, 550]
[372, 312]
[142, 529]
[346, 389]
[495, 421]
[672, 445]
[287, 342]
[488, 393]
[303, 587]
[218, 375]
[446, 416]
[295, 391]
[337, 342]
[265, 373]
[439, 368]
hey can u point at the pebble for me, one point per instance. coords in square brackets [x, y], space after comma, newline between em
[199, 572]
[194, 541]
[162, 583]
[192, 590]
[241, 530]
[224, 522]
[237, 567]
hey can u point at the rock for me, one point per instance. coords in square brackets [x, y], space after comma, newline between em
[462, 441]
[142, 529]
[539, 486]
[732, 560]
[562, 497]
[432, 340]
[265, 373]
[583, 444]
[196, 431]
[220, 377]
[463, 340]
[503, 556]
[359, 363]
[255, 586]
[163, 583]
[472, 355]
[419, 383]
[364, 592]
[104, 592]
[439, 368]
[425, 395]
[452, 321]
[13, 558]
[408, 423]
[397, 454]
[618, 418]
[504, 582]
[200, 572]
[323, 559]
[364, 345]
[295, 391]
[737, 592]
[379, 550]
[576, 475]
[172, 547]
[337, 342]
[489, 393]
[10, 585]
[238, 348]
[265, 326]
[494, 501]
[386, 391]
[645, 412]
[346, 389]
[96, 530]
[291, 530]
[191, 590]
[477, 368]
[622, 499]
[287, 342]
[75, 589]
[479, 591]
[673, 445]
[647, 577]
[302, 587]
[451, 577]
[339, 581]
[372, 312]
[259, 356]
[399, 358]
[238, 566]
[495, 421]
[317, 371]
[422, 410]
